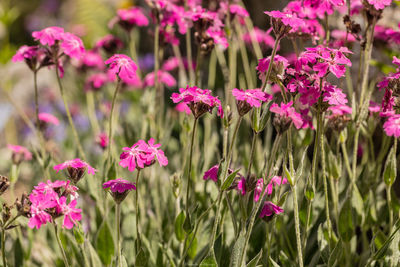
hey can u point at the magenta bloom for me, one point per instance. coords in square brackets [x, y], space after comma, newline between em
[254, 97]
[19, 153]
[260, 36]
[75, 164]
[72, 45]
[379, 4]
[287, 18]
[199, 101]
[71, 214]
[119, 185]
[110, 44]
[276, 180]
[212, 174]
[183, 107]
[278, 67]
[103, 140]
[242, 186]
[122, 66]
[25, 53]
[96, 81]
[258, 190]
[334, 95]
[49, 201]
[141, 155]
[48, 118]
[163, 77]
[287, 112]
[128, 18]
[49, 36]
[270, 209]
[392, 126]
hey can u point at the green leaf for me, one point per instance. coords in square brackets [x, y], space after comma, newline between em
[390, 171]
[187, 224]
[382, 251]
[94, 257]
[141, 258]
[79, 235]
[288, 175]
[256, 119]
[273, 262]
[193, 249]
[323, 244]
[309, 193]
[105, 243]
[209, 261]
[336, 254]
[255, 260]
[264, 118]
[346, 224]
[357, 202]
[229, 180]
[237, 250]
[179, 232]
[18, 253]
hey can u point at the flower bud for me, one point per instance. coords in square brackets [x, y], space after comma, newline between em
[23, 206]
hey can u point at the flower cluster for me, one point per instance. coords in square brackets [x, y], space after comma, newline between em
[199, 100]
[142, 155]
[49, 201]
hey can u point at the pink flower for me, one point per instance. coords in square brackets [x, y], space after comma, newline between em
[122, 66]
[373, 107]
[258, 190]
[260, 36]
[92, 59]
[286, 111]
[103, 140]
[153, 152]
[128, 18]
[109, 43]
[72, 45]
[71, 214]
[199, 101]
[75, 164]
[183, 107]
[163, 77]
[96, 81]
[119, 185]
[133, 157]
[278, 67]
[19, 153]
[254, 97]
[340, 110]
[276, 180]
[309, 95]
[212, 174]
[170, 64]
[287, 18]
[379, 4]
[334, 95]
[242, 186]
[269, 209]
[25, 52]
[49, 36]
[39, 215]
[48, 118]
[392, 126]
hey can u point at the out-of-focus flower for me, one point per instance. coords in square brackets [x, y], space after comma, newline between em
[72, 45]
[110, 44]
[276, 180]
[183, 107]
[102, 140]
[212, 174]
[49, 35]
[163, 77]
[48, 118]
[71, 214]
[379, 4]
[334, 95]
[129, 18]
[19, 153]
[95, 81]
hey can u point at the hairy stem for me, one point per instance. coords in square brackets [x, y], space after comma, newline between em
[60, 245]
[190, 166]
[137, 213]
[110, 125]
[118, 222]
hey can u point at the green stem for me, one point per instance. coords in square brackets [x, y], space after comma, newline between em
[199, 61]
[110, 128]
[92, 112]
[389, 191]
[137, 213]
[60, 245]
[3, 249]
[254, 211]
[225, 174]
[295, 201]
[118, 222]
[36, 99]
[243, 52]
[327, 213]
[71, 122]
[190, 166]
[252, 152]
[277, 41]
[189, 56]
